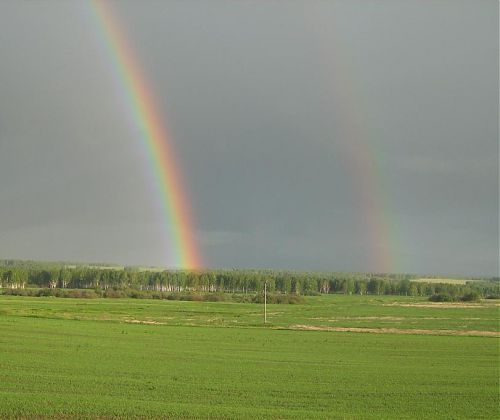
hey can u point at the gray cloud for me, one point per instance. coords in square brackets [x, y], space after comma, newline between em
[261, 99]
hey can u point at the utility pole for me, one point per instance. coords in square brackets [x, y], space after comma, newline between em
[265, 302]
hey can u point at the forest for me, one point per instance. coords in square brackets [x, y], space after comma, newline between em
[16, 274]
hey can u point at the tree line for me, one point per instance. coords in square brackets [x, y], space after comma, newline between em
[230, 281]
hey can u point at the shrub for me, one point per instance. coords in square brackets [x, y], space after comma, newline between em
[16, 292]
[296, 299]
[470, 297]
[115, 293]
[73, 294]
[89, 294]
[137, 294]
[441, 297]
[214, 297]
[45, 292]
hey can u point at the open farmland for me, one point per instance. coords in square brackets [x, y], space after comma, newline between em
[440, 280]
[148, 358]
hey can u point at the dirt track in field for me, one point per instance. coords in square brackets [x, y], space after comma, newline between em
[396, 331]
[145, 322]
[436, 305]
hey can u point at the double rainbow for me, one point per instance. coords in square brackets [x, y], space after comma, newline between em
[183, 252]
[366, 173]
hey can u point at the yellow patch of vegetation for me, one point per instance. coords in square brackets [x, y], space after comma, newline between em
[439, 280]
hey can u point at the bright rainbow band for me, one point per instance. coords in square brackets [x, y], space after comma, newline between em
[155, 139]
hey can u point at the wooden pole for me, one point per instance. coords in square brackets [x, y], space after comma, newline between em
[265, 302]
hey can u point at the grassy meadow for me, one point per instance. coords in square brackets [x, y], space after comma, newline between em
[333, 357]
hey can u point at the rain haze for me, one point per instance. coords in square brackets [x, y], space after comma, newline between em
[310, 135]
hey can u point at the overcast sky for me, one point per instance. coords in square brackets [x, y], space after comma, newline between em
[271, 106]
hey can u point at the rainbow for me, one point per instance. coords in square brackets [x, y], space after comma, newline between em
[183, 252]
[364, 163]
[366, 175]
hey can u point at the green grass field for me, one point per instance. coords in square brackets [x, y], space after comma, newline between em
[144, 358]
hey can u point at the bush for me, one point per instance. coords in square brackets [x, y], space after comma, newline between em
[137, 294]
[73, 294]
[296, 299]
[241, 298]
[115, 294]
[15, 292]
[441, 297]
[214, 297]
[45, 292]
[89, 294]
[470, 297]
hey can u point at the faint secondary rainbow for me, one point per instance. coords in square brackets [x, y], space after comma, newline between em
[367, 178]
[364, 163]
[183, 252]
[366, 174]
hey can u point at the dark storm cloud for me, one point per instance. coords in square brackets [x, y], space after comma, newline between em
[256, 105]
